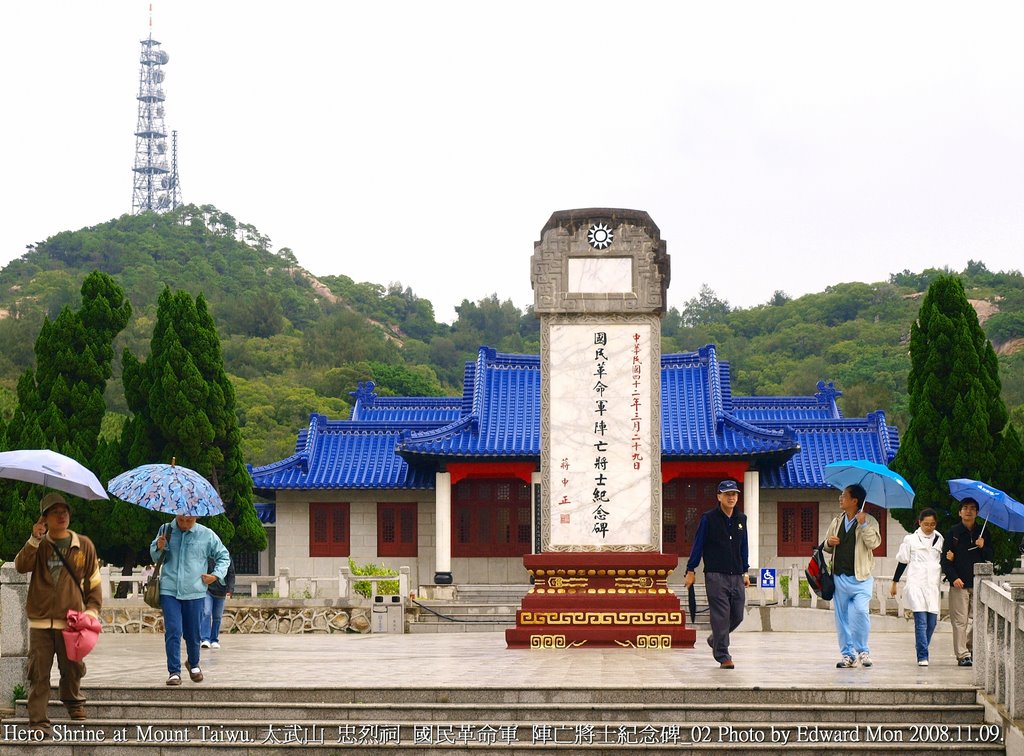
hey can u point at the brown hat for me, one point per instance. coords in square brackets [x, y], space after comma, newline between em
[49, 500]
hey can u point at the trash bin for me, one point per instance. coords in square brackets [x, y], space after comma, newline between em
[387, 615]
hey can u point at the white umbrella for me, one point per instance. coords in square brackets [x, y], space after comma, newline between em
[48, 468]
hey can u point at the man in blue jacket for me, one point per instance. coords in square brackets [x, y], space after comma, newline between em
[183, 585]
[721, 541]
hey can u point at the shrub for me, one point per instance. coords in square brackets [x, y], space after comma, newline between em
[362, 587]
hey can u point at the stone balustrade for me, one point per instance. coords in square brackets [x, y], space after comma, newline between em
[241, 616]
[999, 639]
[280, 586]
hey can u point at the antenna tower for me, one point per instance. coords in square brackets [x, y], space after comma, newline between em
[156, 178]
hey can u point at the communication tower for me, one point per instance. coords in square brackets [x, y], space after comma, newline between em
[156, 165]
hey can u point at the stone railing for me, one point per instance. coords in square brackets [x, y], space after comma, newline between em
[279, 586]
[881, 601]
[274, 616]
[999, 638]
[13, 630]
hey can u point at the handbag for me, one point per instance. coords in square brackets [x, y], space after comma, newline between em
[151, 593]
[82, 630]
[819, 578]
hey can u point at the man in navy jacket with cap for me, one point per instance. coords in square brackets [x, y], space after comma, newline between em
[721, 541]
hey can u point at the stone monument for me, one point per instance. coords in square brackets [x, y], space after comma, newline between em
[599, 277]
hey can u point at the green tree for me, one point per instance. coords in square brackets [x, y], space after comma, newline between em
[60, 403]
[183, 407]
[705, 308]
[957, 416]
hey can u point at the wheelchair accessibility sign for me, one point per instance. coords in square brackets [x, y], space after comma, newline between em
[767, 577]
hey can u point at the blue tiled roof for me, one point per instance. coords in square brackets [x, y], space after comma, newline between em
[266, 511]
[824, 441]
[767, 409]
[501, 406]
[343, 454]
[397, 442]
[694, 418]
[369, 407]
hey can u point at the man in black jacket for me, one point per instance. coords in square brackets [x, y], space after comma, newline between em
[213, 607]
[966, 547]
[721, 541]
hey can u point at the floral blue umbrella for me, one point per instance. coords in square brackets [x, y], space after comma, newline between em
[169, 488]
[884, 487]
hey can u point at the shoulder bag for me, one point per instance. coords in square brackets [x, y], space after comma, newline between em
[82, 630]
[151, 593]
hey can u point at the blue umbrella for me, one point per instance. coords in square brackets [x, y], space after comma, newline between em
[994, 505]
[168, 488]
[884, 487]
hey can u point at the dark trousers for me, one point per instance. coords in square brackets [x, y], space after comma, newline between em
[42, 645]
[727, 599]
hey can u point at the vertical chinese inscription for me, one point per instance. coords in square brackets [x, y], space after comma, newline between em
[601, 395]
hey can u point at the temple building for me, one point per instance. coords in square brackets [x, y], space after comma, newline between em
[450, 486]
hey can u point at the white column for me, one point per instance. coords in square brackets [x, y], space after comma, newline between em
[443, 528]
[752, 509]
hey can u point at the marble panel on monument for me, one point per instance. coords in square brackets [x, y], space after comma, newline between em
[600, 275]
[601, 406]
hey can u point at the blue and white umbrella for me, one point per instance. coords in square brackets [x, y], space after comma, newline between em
[169, 488]
[994, 505]
[884, 487]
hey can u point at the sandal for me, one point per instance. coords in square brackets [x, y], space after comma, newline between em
[174, 679]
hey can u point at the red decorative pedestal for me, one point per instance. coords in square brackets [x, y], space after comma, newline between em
[600, 599]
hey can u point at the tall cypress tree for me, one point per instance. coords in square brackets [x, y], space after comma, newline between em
[183, 406]
[60, 403]
[957, 416]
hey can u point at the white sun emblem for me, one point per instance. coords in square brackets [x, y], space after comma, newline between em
[600, 236]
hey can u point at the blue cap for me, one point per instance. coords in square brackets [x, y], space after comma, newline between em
[728, 485]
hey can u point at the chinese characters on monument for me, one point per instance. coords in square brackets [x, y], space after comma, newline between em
[601, 485]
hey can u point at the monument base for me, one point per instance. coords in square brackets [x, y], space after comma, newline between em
[600, 599]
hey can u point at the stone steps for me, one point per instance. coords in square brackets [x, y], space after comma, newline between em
[152, 712]
[211, 695]
[312, 736]
[698, 719]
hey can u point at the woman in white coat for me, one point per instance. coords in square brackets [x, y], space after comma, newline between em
[920, 555]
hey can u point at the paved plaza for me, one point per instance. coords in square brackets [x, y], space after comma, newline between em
[782, 659]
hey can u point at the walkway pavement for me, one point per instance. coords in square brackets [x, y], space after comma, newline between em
[774, 659]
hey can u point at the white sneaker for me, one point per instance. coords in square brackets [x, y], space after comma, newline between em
[923, 663]
[204, 644]
[864, 659]
[215, 644]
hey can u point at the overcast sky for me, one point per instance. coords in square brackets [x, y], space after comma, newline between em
[777, 145]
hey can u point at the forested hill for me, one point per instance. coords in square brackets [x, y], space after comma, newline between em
[294, 344]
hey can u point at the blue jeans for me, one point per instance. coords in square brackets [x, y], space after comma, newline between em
[924, 626]
[209, 622]
[851, 609]
[181, 619]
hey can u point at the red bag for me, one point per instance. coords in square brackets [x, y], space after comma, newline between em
[81, 634]
[819, 579]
